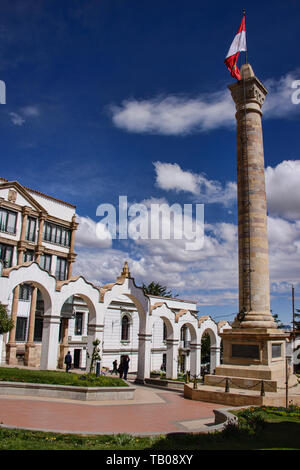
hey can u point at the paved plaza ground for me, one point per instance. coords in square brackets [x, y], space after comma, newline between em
[152, 411]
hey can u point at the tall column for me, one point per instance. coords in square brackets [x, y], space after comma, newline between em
[72, 255]
[172, 358]
[144, 357]
[215, 355]
[49, 342]
[30, 348]
[22, 241]
[195, 359]
[39, 246]
[254, 284]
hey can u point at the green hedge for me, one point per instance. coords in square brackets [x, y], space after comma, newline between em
[58, 378]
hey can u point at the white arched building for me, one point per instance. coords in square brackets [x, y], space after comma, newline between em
[54, 312]
[149, 329]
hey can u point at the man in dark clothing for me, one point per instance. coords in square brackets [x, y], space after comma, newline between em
[126, 361]
[115, 368]
[68, 361]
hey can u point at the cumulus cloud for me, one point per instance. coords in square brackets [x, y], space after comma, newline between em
[170, 176]
[278, 103]
[175, 115]
[92, 234]
[283, 189]
[181, 115]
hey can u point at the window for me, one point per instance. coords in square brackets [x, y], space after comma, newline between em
[28, 255]
[8, 221]
[31, 229]
[21, 328]
[45, 262]
[165, 332]
[125, 329]
[78, 323]
[6, 254]
[56, 234]
[25, 292]
[61, 271]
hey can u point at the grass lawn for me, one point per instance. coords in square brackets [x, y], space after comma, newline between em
[280, 432]
[58, 378]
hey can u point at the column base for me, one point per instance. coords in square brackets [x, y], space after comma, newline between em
[11, 354]
[31, 359]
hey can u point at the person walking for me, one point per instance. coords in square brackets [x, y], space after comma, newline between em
[115, 368]
[68, 361]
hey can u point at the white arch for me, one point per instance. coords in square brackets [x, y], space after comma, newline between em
[126, 286]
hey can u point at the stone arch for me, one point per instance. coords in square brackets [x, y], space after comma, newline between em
[193, 358]
[30, 273]
[208, 326]
[127, 287]
[87, 291]
[160, 311]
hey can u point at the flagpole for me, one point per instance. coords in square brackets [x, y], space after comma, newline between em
[246, 60]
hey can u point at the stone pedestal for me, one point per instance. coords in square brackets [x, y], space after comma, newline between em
[11, 354]
[251, 356]
[31, 357]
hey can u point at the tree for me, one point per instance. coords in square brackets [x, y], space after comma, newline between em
[6, 323]
[277, 320]
[205, 347]
[156, 289]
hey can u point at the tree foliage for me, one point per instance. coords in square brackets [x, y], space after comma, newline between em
[154, 288]
[6, 323]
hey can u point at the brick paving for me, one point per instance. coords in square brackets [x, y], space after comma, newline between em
[152, 411]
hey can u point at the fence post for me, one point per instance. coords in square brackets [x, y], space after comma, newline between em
[195, 387]
[262, 390]
[227, 386]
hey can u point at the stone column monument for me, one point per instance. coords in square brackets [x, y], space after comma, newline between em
[254, 349]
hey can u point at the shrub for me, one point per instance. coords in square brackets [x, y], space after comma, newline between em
[252, 420]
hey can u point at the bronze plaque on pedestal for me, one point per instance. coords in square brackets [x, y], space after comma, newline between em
[248, 351]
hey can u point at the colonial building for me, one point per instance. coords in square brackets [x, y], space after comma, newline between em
[53, 311]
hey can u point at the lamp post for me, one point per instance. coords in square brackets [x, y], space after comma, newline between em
[287, 360]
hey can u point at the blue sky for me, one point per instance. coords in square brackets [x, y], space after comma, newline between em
[80, 76]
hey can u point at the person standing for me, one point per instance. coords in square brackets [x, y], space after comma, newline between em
[126, 361]
[68, 361]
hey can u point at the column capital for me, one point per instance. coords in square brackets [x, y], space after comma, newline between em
[249, 89]
[26, 210]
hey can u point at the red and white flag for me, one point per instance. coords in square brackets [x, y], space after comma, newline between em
[238, 45]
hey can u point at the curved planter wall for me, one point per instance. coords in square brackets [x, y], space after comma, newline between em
[67, 392]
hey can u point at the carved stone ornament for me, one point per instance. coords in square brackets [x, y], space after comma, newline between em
[12, 195]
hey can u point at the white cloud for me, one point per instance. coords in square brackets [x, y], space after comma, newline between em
[19, 118]
[283, 189]
[92, 234]
[278, 103]
[175, 115]
[170, 176]
[181, 115]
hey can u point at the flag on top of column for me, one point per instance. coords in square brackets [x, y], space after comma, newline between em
[238, 45]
